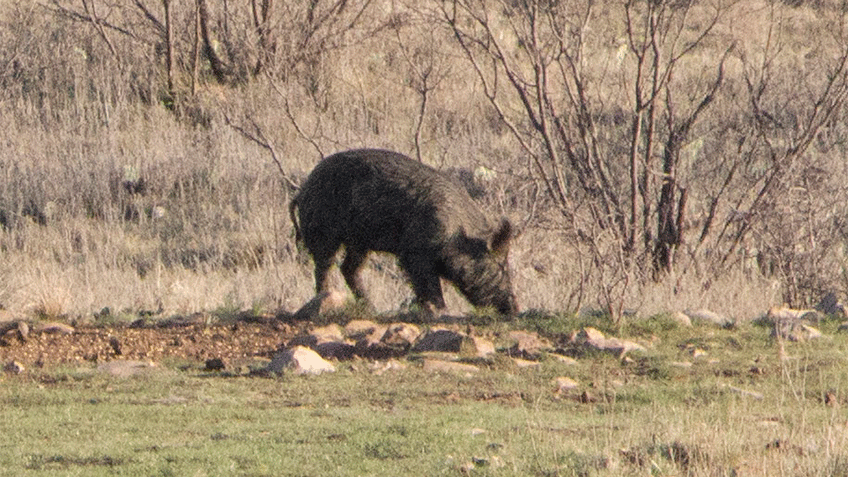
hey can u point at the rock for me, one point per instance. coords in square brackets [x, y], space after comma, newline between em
[401, 335]
[126, 368]
[789, 324]
[337, 350]
[216, 364]
[527, 345]
[388, 342]
[14, 367]
[778, 314]
[319, 305]
[359, 329]
[482, 347]
[115, 343]
[591, 336]
[438, 366]
[23, 331]
[595, 339]
[524, 363]
[709, 317]
[329, 333]
[55, 328]
[563, 384]
[299, 360]
[372, 347]
[440, 340]
[681, 318]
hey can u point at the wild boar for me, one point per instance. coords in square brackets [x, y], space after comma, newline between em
[382, 201]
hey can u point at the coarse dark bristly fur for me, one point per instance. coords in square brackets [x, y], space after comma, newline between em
[377, 200]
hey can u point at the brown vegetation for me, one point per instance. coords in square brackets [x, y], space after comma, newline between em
[657, 155]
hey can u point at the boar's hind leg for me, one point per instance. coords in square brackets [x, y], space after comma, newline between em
[322, 266]
[353, 260]
[425, 281]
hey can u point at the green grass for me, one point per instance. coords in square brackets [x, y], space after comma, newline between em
[647, 415]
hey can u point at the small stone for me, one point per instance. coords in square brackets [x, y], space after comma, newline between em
[331, 332]
[14, 367]
[482, 347]
[440, 340]
[115, 343]
[23, 331]
[564, 383]
[337, 350]
[215, 364]
[830, 399]
[401, 334]
[358, 329]
[681, 318]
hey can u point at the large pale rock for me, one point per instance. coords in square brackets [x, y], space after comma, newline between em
[320, 304]
[299, 360]
[709, 317]
[595, 339]
[527, 345]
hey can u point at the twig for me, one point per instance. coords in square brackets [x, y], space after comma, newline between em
[260, 139]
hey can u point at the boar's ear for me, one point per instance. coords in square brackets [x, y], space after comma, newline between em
[499, 242]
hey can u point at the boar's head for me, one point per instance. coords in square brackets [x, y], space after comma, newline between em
[479, 268]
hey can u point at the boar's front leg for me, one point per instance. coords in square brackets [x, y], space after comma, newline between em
[425, 281]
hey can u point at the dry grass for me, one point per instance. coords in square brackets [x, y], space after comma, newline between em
[210, 230]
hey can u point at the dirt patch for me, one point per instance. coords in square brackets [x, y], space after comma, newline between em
[194, 342]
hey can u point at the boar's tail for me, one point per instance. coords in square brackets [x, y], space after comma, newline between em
[293, 216]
